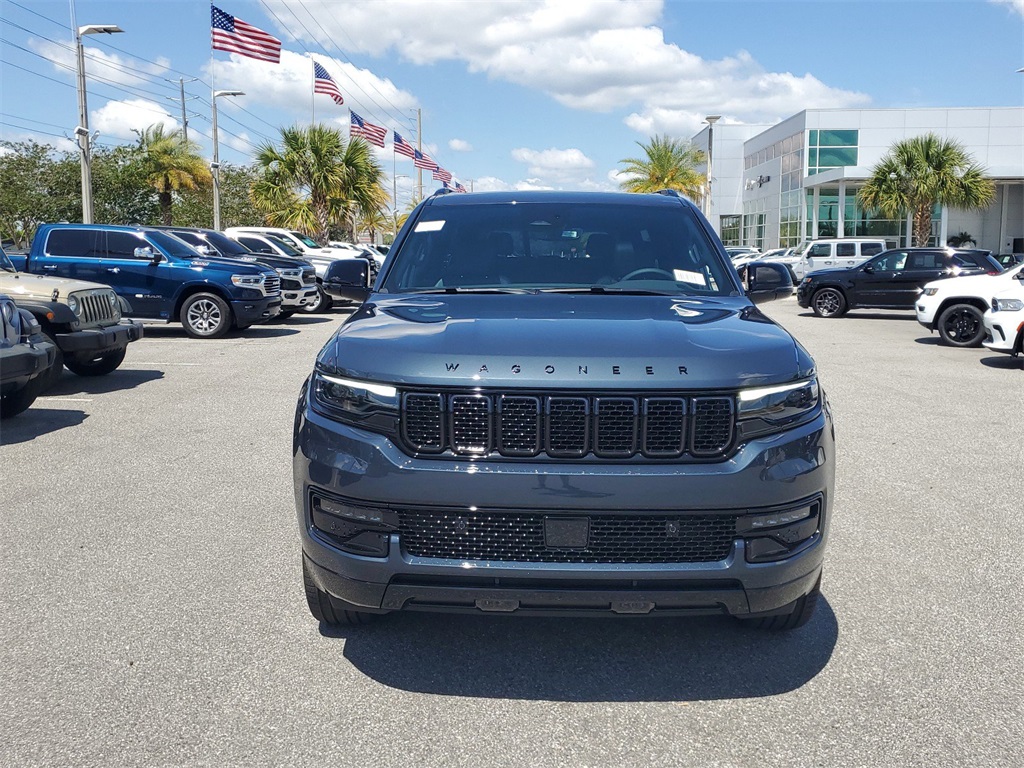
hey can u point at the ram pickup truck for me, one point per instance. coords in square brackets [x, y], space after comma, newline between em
[162, 278]
[501, 428]
[82, 319]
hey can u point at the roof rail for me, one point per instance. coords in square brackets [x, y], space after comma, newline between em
[674, 193]
[442, 191]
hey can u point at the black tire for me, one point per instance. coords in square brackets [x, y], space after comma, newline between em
[18, 401]
[205, 316]
[49, 379]
[801, 613]
[961, 325]
[284, 314]
[828, 302]
[321, 303]
[100, 365]
[330, 610]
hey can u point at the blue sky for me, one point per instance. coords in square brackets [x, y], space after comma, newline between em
[514, 93]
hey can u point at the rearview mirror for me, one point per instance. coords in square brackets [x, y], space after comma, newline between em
[767, 282]
[348, 279]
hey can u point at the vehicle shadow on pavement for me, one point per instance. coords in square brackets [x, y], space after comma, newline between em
[36, 422]
[302, 320]
[859, 315]
[1006, 362]
[567, 659]
[116, 381]
[931, 341]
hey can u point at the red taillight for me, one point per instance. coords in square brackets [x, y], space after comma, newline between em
[993, 273]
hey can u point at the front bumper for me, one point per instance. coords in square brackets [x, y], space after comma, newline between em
[256, 311]
[1001, 334]
[99, 340]
[804, 291]
[767, 473]
[23, 362]
[297, 298]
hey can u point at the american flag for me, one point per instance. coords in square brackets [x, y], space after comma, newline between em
[231, 34]
[403, 147]
[459, 187]
[422, 160]
[440, 174]
[372, 133]
[324, 83]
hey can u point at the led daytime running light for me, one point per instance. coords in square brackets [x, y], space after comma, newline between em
[746, 395]
[378, 389]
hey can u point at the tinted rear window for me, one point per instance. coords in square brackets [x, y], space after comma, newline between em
[559, 245]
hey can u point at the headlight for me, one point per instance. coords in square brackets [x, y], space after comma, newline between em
[930, 291]
[362, 403]
[807, 279]
[73, 305]
[1007, 305]
[770, 409]
[8, 310]
[248, 281]
[112, 298]
[290, 273]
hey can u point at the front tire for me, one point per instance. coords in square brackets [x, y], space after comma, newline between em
[205, 316]
[96, 366]
[52, 376]
[18, 401]
[330, 610]
[961, 325]
[829, 302]
[321, 303]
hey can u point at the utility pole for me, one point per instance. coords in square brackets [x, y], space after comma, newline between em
[215, 165]
[419, 146]
[184, 114]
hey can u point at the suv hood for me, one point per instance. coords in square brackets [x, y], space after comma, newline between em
[564, 340]
[22, 284]
[275, 262]
[973, 283]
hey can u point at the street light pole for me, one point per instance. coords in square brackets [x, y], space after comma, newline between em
[215, 165]
[710, 120]
[82, 129]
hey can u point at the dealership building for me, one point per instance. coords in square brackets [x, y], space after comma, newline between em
[777, 185]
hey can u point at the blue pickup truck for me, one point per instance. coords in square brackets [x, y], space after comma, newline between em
[161, 277]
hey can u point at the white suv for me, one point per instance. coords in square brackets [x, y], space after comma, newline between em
[954, 306]
[1004, 323]
[835, 253]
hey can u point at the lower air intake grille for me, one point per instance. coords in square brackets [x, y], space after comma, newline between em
[519, 537]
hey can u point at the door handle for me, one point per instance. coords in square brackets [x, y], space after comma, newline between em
[114, 270]
[49, 266]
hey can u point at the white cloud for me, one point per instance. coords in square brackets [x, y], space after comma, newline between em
[101, 65]
[121, 119]
[1017, 5]
[558, 167]
[491, 184]
[590, 56]
[460, 145]
[288, 87]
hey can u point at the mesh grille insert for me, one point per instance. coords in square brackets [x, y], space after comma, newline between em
[712, 425]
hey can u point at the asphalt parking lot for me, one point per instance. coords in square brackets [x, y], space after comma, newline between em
[152, 608]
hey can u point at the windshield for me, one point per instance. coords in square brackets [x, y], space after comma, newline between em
[172, 246]
[559, 246]
[287, 248]
[306, 241]
[225, 245]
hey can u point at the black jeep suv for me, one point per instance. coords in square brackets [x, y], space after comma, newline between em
[890, 280]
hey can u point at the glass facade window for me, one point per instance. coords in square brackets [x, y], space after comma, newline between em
[830, 149]
[856, 221]
[730, 225]
[791, 196]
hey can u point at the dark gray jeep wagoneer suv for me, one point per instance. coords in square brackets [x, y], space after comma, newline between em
[563, 402]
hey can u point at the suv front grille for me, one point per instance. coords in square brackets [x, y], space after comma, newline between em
[272, 285]
[610, 426]
[519, 537]
[96, 308]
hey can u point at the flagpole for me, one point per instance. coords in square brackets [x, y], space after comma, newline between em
[394, 189]
[312, 92]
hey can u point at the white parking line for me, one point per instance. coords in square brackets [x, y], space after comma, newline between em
[55, 399]
[144, 362]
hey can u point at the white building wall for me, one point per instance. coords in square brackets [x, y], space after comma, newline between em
[727, 167]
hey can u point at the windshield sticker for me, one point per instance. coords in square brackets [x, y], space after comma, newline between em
[686, 276]
[429, 226]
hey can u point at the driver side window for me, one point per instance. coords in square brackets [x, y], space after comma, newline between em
[891, 262]
[822, 249]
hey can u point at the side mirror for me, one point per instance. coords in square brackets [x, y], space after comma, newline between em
[1019, 275]
[148, 253]
[205, 250]
[767, 282]
[348, 279]
[869, 269]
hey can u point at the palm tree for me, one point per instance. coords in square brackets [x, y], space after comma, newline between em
[669, 164]
[317, 179]
[373, 222]
[921, 171]
[171, 163]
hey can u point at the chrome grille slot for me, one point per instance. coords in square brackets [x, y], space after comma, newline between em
[519, 425]
[664, 427]
[615, 426]
[470, 424]
[422, 423]
[272, 285]
[308, 276]
[712, 426]
[568, 427]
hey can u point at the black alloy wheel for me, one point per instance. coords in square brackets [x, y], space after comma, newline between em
[829, 302]
[961, 325]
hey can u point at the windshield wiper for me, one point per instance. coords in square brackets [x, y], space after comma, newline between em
[459, 289]
[617, 290]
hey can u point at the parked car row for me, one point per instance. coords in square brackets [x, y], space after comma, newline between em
[90, 288]
[969, 297]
